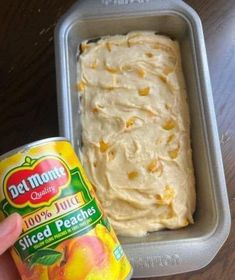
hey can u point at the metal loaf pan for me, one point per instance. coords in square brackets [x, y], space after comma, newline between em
[165, 252]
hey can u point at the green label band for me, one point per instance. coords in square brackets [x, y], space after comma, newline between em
[73, 224]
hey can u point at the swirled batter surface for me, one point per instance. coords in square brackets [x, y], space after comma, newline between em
[136, 131]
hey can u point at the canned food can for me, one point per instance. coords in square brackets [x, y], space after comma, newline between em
[66, 235]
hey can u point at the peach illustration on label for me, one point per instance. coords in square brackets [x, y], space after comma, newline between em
[80, 257]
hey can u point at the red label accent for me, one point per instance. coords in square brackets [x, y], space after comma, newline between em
[36, 184]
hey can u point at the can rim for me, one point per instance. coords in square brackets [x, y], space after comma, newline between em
[32, 144]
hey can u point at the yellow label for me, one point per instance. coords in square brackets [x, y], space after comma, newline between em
[65, 232]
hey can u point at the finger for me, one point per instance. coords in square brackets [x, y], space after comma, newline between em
[10, 229]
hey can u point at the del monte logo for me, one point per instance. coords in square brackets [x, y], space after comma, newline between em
[36, 182]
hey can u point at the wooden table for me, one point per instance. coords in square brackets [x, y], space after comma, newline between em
[28, 109]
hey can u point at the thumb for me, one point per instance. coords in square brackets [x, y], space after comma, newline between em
[10, 229]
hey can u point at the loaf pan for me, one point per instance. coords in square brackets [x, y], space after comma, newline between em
[164, 252]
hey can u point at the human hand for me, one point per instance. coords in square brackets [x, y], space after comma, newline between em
[10, 229]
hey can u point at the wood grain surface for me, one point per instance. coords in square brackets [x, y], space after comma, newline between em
[28, 109]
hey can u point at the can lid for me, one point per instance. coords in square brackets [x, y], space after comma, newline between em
[33, 144]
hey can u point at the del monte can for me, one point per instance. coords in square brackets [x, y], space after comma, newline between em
[66, 235]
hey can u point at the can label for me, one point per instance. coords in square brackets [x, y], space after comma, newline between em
[65, 232]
